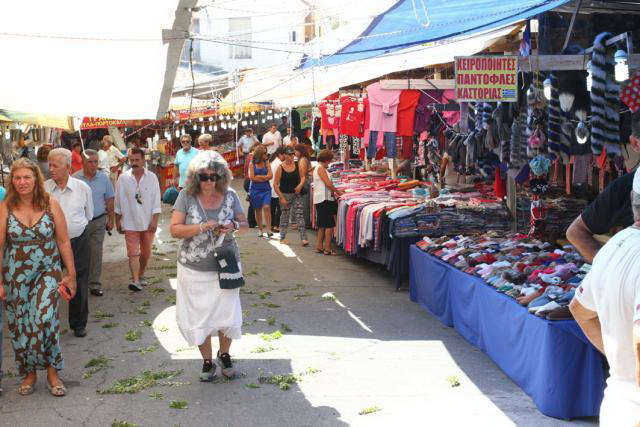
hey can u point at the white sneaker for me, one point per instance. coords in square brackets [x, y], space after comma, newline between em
[547, 308]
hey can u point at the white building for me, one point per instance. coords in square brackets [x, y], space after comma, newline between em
[232, 32]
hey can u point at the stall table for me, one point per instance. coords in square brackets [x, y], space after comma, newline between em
[552, 361]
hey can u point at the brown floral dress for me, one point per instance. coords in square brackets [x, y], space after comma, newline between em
[31, 270]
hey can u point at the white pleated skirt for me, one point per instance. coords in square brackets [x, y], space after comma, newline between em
[203, 309]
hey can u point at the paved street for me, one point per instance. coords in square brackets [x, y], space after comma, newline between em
[368, 349]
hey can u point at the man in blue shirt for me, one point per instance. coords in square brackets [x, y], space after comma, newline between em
[183, 157]
[103, 215]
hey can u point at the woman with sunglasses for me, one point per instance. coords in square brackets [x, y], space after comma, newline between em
[260, 190]
[206, 215]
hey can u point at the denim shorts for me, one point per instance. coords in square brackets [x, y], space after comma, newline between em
[389, 143]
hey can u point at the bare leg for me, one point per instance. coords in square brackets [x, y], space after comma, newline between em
[320, 240]
[205, 349]
[144, 259]
[267, 217]
[259, 218]
[328, 233]
[225, 342]
[134, 266]
[52, 376]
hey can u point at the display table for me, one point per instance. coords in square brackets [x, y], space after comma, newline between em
[552, 361]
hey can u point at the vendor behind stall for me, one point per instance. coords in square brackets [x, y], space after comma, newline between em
[610, 211]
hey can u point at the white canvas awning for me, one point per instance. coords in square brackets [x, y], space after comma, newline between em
[302, 87]
[114, 59]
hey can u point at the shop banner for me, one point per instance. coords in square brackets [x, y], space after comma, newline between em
[487, 78]
[101, 123]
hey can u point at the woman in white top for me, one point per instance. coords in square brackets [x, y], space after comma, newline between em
[324, 195]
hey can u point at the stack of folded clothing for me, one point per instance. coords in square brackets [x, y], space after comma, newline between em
[537, 274]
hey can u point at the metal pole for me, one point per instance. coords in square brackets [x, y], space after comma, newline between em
[573, 21]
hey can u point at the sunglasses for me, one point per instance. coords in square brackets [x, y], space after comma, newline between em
[139, 198]
[206, 177]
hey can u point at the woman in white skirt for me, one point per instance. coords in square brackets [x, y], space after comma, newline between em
[206, 216]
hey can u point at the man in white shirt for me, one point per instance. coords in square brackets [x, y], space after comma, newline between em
[243, 147]
[103, 157]
[287, 139]
[76, 202]
[275, 200]
[116, 158]
[137, 210]
[607, 308]
[272, 140]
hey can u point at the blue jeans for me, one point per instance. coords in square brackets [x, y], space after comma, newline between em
[389, 143]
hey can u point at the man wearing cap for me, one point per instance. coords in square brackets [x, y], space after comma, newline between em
[610, 211]
[607, 308]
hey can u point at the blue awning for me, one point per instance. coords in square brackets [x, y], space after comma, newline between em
[414, 22]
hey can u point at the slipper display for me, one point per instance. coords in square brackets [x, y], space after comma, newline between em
[538, 275]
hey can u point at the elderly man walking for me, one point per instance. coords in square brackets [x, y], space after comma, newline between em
[103, 215]
[183, 157]
[76, 202]
[137, 210]
[607, 308]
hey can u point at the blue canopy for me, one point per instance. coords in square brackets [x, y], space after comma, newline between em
[412, 22]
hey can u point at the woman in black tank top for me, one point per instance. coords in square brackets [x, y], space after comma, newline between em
[288, 184]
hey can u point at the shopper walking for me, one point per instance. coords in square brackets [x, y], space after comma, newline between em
[272, 140]
[33, 237]
[324, 201]
[243, 148]
[206, 214]
[205, 142]
[289, 182]
[137, 208]
[103, 215]
[275, 201]
[260, 190]
[76, 157]
[74, 197]
[607, 308]
[43, 160]
[183, 157]
[116, 158]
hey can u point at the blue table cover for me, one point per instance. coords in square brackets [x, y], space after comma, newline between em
[552, 361]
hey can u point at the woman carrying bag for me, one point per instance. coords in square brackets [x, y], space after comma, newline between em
[206, 215]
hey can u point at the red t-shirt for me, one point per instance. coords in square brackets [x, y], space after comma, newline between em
[352, 117]
[407, 112]
[330, 112]
[76, 162]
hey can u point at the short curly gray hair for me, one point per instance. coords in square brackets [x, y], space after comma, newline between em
[207, 160]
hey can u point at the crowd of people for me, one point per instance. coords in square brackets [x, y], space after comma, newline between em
[53, 223]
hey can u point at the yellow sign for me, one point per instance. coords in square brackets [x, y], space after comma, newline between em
[487, 78]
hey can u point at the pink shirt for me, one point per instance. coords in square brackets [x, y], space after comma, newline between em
[383, 103]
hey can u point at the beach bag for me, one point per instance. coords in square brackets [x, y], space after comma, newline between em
[170, 196]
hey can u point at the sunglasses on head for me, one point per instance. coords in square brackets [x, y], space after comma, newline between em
[206, 177]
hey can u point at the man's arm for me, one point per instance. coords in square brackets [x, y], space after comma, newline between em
[88, 208]
[582, 238]
[589, 323]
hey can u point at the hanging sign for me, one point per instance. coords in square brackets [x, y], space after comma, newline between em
[486, 78]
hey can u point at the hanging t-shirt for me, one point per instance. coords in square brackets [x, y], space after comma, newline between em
[407, 111]
[330, 112]
[383, 115]
[612, 290]
[352, 117]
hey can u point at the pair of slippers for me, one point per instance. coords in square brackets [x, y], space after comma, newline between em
[330, 253]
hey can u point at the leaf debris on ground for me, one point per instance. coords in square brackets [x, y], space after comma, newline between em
[141, 382]
[178, 404]
[453, 381]
[133, 335]
[275, 335]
